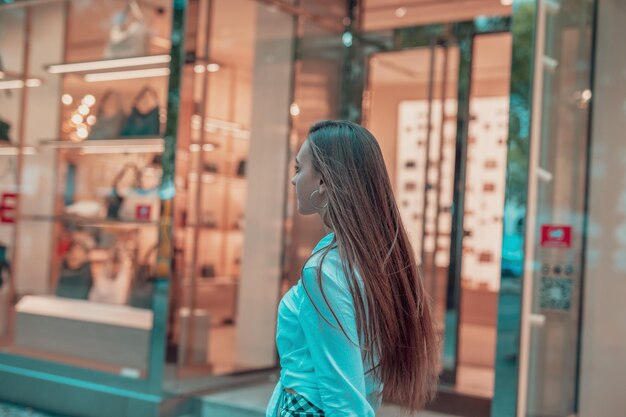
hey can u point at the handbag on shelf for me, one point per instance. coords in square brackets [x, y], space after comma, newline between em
[141, 203]
[108, 126]
[86, 208]
[5, 127]
[207, 271]
[241, 168]
[115, 199]
[129, 36]
[115, 274]
[143, 124]
[142, 288]
[75, 281]
[5, 266]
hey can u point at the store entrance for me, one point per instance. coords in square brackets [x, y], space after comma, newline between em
[439, 107]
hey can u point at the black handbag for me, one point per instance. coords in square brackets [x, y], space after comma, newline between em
[108, 127]
[5, 267]
[241, 168]
[142, 287]
[115, 200]
[207, 271]
[4, 131]
[75, 283]
[143, 124]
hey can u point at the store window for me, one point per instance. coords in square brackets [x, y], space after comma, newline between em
[85, 86]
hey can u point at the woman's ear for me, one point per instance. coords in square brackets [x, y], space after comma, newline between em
[322, 187]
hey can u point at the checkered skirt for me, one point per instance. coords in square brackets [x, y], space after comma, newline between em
[295, 405]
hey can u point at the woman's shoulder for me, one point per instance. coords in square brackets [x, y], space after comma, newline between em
[330, 264]
[328, 259]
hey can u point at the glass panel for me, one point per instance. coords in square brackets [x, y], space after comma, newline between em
[603, 344]
[233, 207]
[484, 208]
[12, 37]
[89, 177]
[317, 89]
[557, 209]
[417, 88]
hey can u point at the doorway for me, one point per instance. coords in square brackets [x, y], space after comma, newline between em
[439, 108]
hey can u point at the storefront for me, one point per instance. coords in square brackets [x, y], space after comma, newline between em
[148, 228]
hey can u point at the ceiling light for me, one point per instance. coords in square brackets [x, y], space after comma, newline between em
[294, 109]
[67, 99]
[14, 84]
[401, 11]
[77, 118]
[506, 2]
[82, 109]
[213, 67]
[82, 133]
[91, 120]
[127, 75]
[89, 100]
[198, 69]
[109, 64]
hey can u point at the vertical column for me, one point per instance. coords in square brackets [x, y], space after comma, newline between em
[41, 121]
[266, 171]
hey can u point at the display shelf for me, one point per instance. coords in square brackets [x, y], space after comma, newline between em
[10, 83]
[214, 229]
[110, 146]
[13, 150]
[210, 178]
[85, 67]
[222, 279]
[90, 221]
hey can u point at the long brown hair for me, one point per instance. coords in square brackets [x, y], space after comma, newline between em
[395, 319]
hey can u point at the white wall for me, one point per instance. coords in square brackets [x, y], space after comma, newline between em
[604, 317]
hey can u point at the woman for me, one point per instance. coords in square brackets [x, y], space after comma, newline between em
[357, 327]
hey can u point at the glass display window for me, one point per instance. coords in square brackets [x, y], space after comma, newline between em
[84, 91]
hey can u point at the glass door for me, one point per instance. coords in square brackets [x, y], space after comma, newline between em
[556, 225]
[416, 89]
[439, 108]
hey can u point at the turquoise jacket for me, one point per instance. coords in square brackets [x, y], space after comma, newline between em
[317, 360]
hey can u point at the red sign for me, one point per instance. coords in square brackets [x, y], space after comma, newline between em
[142, 212]
[556, 236]
[8, 206]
